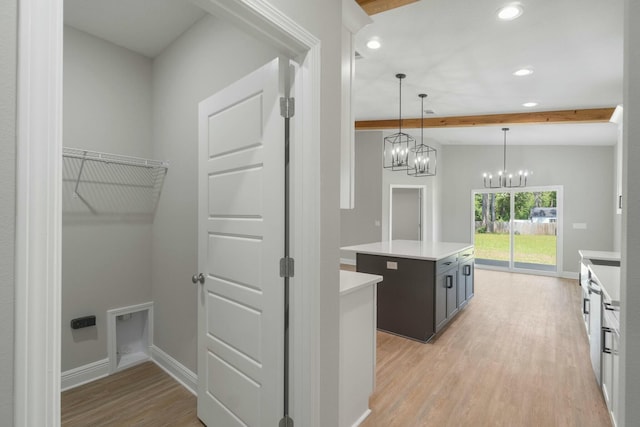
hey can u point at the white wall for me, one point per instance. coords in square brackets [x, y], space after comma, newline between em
[585, 172]
[323, 19]
[105, 263]
[358, 225]
[8, 27]
[617, 217]
[209, 56]
[630, 279]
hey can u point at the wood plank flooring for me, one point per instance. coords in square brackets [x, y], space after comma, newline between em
[140, 396]
[516, 356]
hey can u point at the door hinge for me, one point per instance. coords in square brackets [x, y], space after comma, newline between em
[286, 267]
[286, 421]
[287, 107]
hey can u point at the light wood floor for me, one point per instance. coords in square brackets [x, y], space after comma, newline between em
[517, 356]
[140, 396]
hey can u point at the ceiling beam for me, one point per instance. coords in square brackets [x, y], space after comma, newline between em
[594, 115]
[376, 6]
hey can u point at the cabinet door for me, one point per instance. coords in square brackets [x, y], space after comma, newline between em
[466, 276]
[441, 301]
[462, 287]
[615, 372]
[451, 284]
[607, 366]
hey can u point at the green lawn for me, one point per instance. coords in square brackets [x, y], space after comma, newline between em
[537, 249]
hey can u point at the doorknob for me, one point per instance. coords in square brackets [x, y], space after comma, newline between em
[198, 278]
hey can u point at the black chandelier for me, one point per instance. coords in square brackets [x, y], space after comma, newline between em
[422, 158]
[505, 179]
[396, 147]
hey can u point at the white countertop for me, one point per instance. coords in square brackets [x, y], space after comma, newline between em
[609, 279]
[603, 255]
[414, 249]
[350, 281]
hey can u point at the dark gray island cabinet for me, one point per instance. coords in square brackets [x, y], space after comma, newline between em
[425, 284]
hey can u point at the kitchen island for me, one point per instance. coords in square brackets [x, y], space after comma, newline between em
[424, 285]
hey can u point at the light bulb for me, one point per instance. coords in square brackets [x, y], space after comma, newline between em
[510, 12]
[484, 175]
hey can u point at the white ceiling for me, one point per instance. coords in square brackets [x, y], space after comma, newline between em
[456, 51]
[463, 57]
[143, 26]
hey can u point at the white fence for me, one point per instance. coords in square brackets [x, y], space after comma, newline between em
[522, 227]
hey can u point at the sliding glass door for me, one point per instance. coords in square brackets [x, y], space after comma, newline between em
[493, 228]
[517, 229]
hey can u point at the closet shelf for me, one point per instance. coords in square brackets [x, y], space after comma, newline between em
[110, 185]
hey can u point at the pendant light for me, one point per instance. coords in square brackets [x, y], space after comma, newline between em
[422, 158]
[506, 179]
[396, 146]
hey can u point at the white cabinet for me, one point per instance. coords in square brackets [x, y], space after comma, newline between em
[353, 19]
[617, 118]
[610, 361]
[357, 345]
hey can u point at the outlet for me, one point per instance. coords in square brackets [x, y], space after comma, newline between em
[83, 322]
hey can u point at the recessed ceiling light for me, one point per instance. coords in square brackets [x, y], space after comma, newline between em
[373, 44]
[529, 104]
[527, 71]
[510, 12]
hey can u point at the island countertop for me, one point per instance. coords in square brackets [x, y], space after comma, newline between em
[414, 249]
[603, 255]
[609, 278]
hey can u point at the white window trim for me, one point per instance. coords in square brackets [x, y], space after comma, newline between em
[559, 189]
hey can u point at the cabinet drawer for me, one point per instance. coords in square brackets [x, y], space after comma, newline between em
[446, 263]
[466, 254]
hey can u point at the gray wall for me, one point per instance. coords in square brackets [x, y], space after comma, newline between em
[205, 59]
[358, 225]
[8, 57]
[585, 172]
[432, 196]
[630, 278]
[617, 217]
[105, 263]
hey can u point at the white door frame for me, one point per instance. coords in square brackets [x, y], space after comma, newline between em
[423, 208]
[39, 201]
[559, 189]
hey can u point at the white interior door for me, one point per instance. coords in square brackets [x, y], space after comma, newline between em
[406, 213]
[240, 243]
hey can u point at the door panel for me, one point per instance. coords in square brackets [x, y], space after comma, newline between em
[535, 235]
[406, 214]
[240, 243]
[492, 229]
[237, 127]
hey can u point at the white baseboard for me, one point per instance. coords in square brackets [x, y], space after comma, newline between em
[176, 369]
[348, 261]
[569, 275]
[84, 374]
[362, 418]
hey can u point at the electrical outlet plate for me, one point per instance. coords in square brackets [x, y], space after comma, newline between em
[83, 322]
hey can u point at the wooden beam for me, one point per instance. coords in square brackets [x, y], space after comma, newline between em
[376, 6]
[594, 115]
